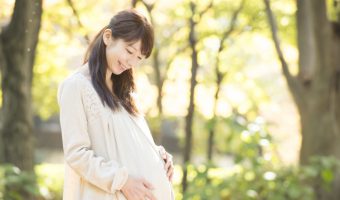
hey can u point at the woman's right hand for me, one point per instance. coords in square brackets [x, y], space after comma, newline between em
[138, 189]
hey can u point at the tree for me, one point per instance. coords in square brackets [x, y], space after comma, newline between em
[18, 41]
[220, 75]
[316, 88]
[193, 82]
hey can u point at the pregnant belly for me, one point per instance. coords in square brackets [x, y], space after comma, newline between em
[136, 151]
[151, 167]
[156, 174]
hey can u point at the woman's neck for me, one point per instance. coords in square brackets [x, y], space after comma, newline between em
[108, 80]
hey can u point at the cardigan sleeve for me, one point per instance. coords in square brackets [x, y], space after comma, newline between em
[105, 174]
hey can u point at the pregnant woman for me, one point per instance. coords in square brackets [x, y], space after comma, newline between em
[109, 151]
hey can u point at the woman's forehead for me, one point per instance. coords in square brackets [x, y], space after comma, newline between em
[135, 44]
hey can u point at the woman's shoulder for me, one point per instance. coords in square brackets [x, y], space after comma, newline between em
[76, 83]
[78, 86]
[80, 76]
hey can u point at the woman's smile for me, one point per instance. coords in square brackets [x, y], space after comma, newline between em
[122, 67]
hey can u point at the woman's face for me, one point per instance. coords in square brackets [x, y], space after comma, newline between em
[121, 55]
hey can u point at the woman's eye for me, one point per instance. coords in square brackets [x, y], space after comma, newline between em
[128, 51]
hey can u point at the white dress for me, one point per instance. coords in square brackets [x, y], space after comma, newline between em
[102, 148]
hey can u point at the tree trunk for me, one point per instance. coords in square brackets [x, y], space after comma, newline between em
[219, 78]
[193, 83]
[18, 42]
[159, 83]
[159, 80]
[211, 136]
[320, 120]
[316, 89]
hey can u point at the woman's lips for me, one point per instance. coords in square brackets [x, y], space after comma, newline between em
[122, 66]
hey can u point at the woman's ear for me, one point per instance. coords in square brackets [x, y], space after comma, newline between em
[107, 36]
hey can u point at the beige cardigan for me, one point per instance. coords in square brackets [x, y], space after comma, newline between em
[102, 148]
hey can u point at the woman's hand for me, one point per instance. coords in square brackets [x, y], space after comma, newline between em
[169, 166]
[138, 189]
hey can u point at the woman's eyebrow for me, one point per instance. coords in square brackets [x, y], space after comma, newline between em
[130, 45]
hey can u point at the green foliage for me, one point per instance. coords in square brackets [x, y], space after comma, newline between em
[333, 10]
[249, 140]
[201, 187]
[50, 180]
[268, 183]
[265, 182]
[16, 183]
[256, 173]
[45, 185]
[47, 76]
[245, 138]
[240, 182]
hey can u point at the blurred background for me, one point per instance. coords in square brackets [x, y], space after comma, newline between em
[245, 94]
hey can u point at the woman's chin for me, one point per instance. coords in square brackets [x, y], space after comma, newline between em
[118, 72]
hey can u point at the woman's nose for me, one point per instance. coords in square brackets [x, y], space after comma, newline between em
[131, 62]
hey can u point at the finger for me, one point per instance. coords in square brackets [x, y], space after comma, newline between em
[168, 160]
[150, 196]
[161, 149]
[171, 176]
[162, 152]
[164, 156]
[170, 171]
[166, 166]
[168, 156]
[147, 184]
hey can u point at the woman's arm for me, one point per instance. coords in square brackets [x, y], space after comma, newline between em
[105, 174]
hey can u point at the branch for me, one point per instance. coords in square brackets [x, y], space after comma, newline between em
[200, 14]
[219, 75]
[76, 14]
[232, 25]
[276, 40]
[169, 61]
[292, 81]
[149, 6]
[206, 9]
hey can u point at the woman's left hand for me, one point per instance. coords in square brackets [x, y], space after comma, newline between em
[169, 165]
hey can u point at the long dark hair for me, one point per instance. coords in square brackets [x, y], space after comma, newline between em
[130, 26]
